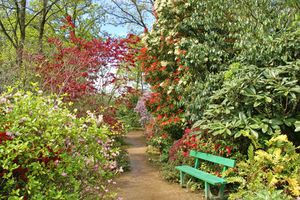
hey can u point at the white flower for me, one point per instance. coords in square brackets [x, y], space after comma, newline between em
[64, 174]
[121, 169]
[23, 119]
[99, 120]
[9, 134]
[3, 100]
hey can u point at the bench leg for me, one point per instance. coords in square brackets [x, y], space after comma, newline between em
[181, 178]
[221, 191]
[207, 190]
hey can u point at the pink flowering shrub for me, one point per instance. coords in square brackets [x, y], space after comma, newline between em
[47, 152]
[141, 109]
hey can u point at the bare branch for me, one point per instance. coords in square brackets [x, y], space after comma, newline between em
[130, 12]
[7, 35]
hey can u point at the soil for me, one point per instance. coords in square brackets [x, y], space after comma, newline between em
[143, 181]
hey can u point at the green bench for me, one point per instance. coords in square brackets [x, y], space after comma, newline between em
[209, 179]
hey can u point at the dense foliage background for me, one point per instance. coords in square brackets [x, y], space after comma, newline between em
[47, 152]
[67, 89]
[217, 76]
[230, 71]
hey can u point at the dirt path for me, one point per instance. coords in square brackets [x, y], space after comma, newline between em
[143, 181]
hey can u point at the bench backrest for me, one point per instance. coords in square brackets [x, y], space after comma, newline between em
[212, 158]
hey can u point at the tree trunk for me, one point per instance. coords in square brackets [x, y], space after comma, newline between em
[21, 12]
[19, 54]
[142, 83]
[42, 25]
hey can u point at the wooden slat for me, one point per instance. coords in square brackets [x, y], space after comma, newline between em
[211, 179]
[212, 158]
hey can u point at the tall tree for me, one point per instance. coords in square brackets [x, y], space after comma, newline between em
[47, 6]
[13, 25]
[137, 14]
[87, 16]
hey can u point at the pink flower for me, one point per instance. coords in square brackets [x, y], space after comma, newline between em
[185, 153]
[56, 162]
[3, 100]
[96, 167]
[187, 131]
[99, 142]
[64, 174]
[228, 149]
[9, 134]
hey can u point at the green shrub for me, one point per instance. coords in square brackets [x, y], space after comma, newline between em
[129, 117]
[46, 152]
[265, 194]
[254, 102]
[231, 68]
[277, 168]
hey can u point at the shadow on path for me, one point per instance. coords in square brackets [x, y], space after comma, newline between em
[143, 181]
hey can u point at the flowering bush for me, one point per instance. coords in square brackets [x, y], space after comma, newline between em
[141, 109]
[202, 142]
[208, 67]
[49, 153]
[198, 140]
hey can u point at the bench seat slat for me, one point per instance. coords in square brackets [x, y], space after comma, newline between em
[212, 158]
[214, 180]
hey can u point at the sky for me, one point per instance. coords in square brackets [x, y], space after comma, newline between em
[122, 31]
[117, 31]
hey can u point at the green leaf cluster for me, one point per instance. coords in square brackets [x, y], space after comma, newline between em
[65, 157]
[243, 82]
[269, 172]
[243, 60]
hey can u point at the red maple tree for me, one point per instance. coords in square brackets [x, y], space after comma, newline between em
[83, 67]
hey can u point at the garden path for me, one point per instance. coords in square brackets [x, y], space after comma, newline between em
[143, 181]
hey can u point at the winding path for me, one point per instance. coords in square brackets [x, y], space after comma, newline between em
[143, 181]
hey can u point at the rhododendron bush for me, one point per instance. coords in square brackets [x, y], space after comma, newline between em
[49, 153]
[193, 141]
[200, 70]
[231, 69]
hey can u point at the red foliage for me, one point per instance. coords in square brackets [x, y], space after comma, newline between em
[202, 143]
[110, 118]
[20, 174]
[164, 136]
[76, 67]
[4, 136]
[163, 102]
